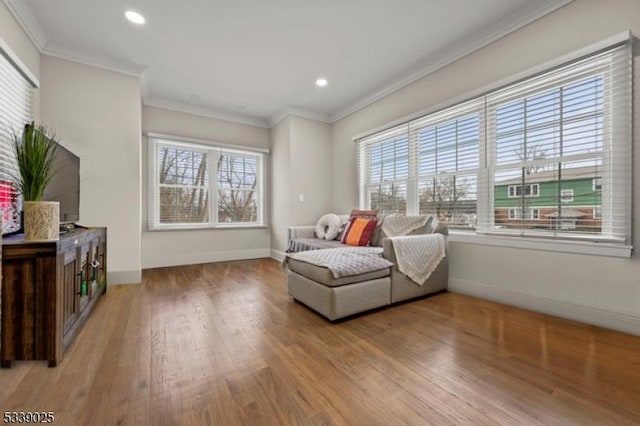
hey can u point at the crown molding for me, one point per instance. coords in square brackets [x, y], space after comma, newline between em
[204, 112]
[298, 112]
[22, 13]
[123, 67]
[452, 54]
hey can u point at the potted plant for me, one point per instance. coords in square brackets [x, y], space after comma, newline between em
[35, 152]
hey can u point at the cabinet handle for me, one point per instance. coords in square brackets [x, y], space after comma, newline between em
[95, 264]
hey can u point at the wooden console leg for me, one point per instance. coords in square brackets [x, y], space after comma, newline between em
[5, 363]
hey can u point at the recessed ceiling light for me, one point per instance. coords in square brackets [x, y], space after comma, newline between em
[321, 82]
[134, 17]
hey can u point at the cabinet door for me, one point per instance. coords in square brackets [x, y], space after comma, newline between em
[71, 285]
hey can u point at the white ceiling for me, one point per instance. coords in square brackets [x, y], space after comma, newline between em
[254, 60]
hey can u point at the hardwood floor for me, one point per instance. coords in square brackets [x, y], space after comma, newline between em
[222, 344]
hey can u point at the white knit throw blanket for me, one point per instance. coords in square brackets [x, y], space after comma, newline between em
[419, 256]
[395, 226]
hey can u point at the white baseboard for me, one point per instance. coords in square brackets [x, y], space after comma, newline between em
[218, 256]
[124, 277]
[627, 323]
[278, 255]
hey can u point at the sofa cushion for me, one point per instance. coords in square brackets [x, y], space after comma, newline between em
[359, 232]
[323, 275]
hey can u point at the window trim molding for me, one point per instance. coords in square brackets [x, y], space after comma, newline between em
[154, 225]
[604, 248]
[515, 190]
[566, 195]
[191, 141]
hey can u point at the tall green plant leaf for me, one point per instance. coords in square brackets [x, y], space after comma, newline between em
[35, 156]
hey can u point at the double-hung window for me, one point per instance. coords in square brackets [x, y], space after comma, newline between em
[16, 109]
[446, 149]
[386, 165]
[547, 156]
[196, 185]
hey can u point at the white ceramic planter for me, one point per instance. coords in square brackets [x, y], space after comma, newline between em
[41, 220]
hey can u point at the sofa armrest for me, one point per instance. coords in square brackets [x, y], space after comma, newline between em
[294, 232]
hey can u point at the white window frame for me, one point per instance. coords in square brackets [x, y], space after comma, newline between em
[531, 213]
[615, 241]
[597, 215]
[566, 195]
[534, 213]
[534, 190]
[597, 184]
[213, 151]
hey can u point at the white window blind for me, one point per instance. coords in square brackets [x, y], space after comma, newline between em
[446, 148]
[384, 166]
[16, 109]
[534, 158]
[554, 135]
[197, 185]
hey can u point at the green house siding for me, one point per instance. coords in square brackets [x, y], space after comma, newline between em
[548, 195]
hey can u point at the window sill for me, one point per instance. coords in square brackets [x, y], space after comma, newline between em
[562, 246]
[192, 227]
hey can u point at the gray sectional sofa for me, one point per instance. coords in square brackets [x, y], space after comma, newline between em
[316, 287]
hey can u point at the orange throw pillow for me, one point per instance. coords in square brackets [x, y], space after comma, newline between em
[359, 232]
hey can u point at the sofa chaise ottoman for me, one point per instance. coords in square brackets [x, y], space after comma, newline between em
[359, 286]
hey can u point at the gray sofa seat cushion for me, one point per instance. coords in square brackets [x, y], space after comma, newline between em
[323, 275]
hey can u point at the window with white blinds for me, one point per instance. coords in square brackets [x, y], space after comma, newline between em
[547, 156]
[16, 109]
[446, 150]
[197, 185]
[386, 164]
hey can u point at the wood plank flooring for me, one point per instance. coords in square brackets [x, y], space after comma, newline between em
[222, 344]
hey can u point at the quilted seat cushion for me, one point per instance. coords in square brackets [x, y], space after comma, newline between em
[324, 276]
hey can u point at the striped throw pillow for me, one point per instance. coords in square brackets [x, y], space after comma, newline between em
[359, 232]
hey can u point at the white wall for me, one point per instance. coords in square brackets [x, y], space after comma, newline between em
[600, 290]
[280, 185]
[310, 162]
[167, 248]
[97, 115]
[301, 162]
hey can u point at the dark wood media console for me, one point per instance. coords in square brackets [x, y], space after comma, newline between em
[48, 291]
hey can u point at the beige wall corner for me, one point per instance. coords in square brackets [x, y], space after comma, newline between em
[97, 116]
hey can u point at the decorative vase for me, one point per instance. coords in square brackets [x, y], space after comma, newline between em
[41, 220]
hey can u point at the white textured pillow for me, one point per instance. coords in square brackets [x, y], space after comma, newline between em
[328, 226]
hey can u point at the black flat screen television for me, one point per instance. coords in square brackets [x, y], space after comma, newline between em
[64, 186]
